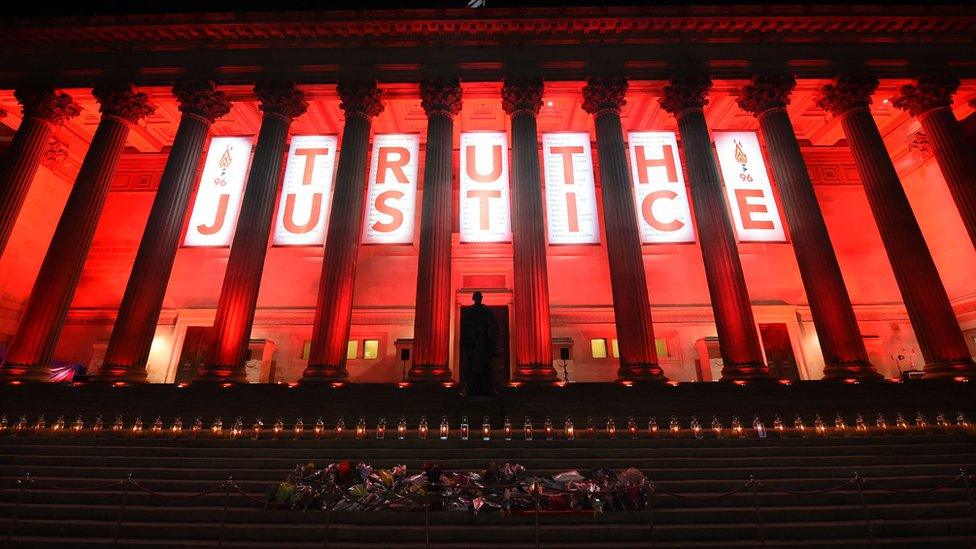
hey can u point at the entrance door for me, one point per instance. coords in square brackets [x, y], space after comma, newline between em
[499, 364]
[779, 352]
[196, 343]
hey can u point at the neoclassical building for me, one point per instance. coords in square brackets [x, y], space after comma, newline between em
[684, 193]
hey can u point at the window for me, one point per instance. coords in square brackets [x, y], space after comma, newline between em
[371, 349]
[598, 348]
[615, 348]
[352, 349]
[661, 345]
[306, 349]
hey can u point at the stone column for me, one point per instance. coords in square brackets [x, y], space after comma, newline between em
[29, 353]
[280, 103]
[931, 315]
[44, 109]
[930, 100]
[441, 100]
[522, 99]
[135, 324]
[603, 98]
[333, 312]
[737, 335]
[845, 357]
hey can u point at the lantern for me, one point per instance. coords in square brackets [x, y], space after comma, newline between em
[277, 429]
[256, 428]
[611, 428]
[340, 427]
[445, 429]
[402, 429]
[920, 421]
[217, 428]
[590, 428]
[486, 429]
[58, 425]
[799, 426]
[507, 428]
[736, 427]
[297, 429]
[3, 424]
[818, 425]
[675, 427]
[21, 426]
[757, 425]
[117, 426]
[237, 429]
[548, 428]
[157, 426]
[39, 424]
[859, 425]
[778, 426]
[901, 423]
[97, 426]
[881, 423]
[652, 427]
[422, 428]
[361, 429]
[961, 421]
[568, 429]
[632, 427]
[527, 429]
[137, 426]
[177, 428]
[381, 428]
[197, 427]
[696, 428]
[716, 427]
[319, 427]
[839, 423]
[465, 428]
[940, 420]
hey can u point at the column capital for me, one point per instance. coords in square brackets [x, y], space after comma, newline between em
[766, 92]
[201, 98]
[686, 93]
[440, 96]
[604, 94]
[47, 103]
[123, 101]
[360, 98]
[522, 95]
[930, 91]
[281, 98]
[847, 92]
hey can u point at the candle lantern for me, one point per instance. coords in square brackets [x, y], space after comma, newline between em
[632, 427]
[611, 428]
[590, 428]
[319, 427]
[652, 427]
[297, 429]
[39, 424]
[20, 426]
[799, 426]
[818, 425]
[237, 429]
[217, 428]
[737, 427]
[256, 428]
[97, 426]
[940, 420]
[839, 424]
[340, 427]
[157, 426]
[465, 428]
[859, 425]
[422, 428]
[920, 420]
[486, 429]
[527, 429]
[881, 423]
[675, 427]
[716, 427]
[778, 426]
[961, 421]
[402, 429]
[3, 423]
[137, 426]
[177, 428]
[445, 429]
[197, 427]
[58, 425]
[568, 429]
[117, 426]
[901, 423]
[277, 428]
[381, 428]
[696, 428]
[550, 432]
[361, 429]
[759, 427]
[507, 428]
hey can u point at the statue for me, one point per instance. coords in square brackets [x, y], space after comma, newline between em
[479, 339]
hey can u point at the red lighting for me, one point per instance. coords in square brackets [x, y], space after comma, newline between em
[515, 384]
[673, 383]
[337, 384]
[293, 384]
[785, 382]
[403, 385]
[182, 385]
[961, 379]
[16, 382]
[119, 384]
[560, 384]
[851, 381]
[448, 384]
[627, 383]
[226, 384]
[740, 382]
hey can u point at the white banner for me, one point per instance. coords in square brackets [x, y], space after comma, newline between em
[218, 202]
[392, 196]
[659, 188]
[306, 193]
[750, 196]
[570, 189]
[485, 206]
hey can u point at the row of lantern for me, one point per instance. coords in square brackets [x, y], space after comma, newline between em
[569, 432]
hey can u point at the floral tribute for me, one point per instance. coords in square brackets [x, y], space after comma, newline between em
[508, 488]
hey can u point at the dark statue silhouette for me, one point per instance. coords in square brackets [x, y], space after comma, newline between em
[479, 340]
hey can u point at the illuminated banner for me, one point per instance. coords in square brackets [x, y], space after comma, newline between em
[659, 188]
[485, 206]
[392, 195]
[306, 193]
[570, 190]
[750, 196]
[218, 201]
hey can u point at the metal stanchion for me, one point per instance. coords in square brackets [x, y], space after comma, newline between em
[125, 497]
[21, 483]
[650, 512]
[864, 507]
[755, 501]
[223, 520]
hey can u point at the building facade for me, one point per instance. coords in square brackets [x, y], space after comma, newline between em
[667, 193]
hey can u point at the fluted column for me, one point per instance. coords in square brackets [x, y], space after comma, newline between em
[522, 99]
[135, 324]
[44, 109]
[845, 357]
[40, 324]
[737, 335]
[929, 311]
[930, 100]
[333, 312]
[441, 100]
[280, 103]
[603, 98]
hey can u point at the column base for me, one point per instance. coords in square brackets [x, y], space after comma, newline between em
[127, 373]
[860, 370]
[434, 373]
[753, 371]
[641, 372]
[958, 369]
[25, 372]
[324, 373]
[221, 373]
[535, 373]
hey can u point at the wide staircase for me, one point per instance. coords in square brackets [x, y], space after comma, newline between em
[899, 488]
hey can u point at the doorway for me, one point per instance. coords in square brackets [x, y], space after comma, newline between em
[779, 352]
[196, 344]
[500, 372]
